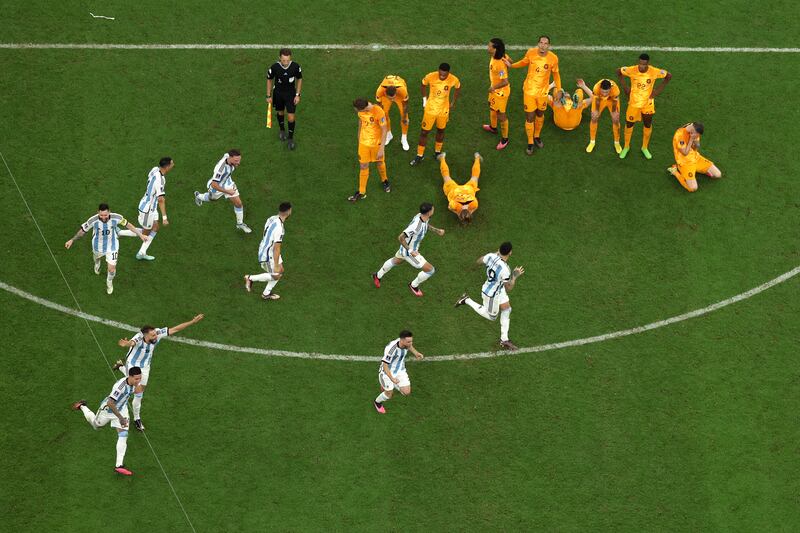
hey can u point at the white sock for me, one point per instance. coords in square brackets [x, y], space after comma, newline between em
[110, 276]
[260, 277]
[137, 405]
[382, 398]
[387, 266]
[239, 214]
[205, 197]
[421, 277]
[122, 445]
[97, 262]
[505, 322]
[146, 243]
[270, 285]
[88, 414]
[126, 233]
[404, 137]
[479, 309]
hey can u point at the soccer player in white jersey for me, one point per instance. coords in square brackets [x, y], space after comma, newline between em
[104, 240]
[392, 372]
[410, 240]
[114, 409]
[154, 199]
[269, 253]
[499, 279]
[140, 355]
[222, 184]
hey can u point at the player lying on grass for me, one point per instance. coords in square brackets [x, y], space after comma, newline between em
[461, 199]
[568, 108]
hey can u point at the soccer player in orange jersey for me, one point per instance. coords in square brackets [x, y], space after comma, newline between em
[499, 89]
[541, 63]
[641, 99]
[393, 90]
[686, 145]
[568, 108]
[437, 106]
[371, 141]
[461, 199]
[606, 96]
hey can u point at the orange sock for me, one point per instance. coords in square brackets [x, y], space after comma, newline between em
[592, 131]
[404, 126]
[504, 129]
[363, 176]
[437, 147]
[476, 168]
[646, 133]
[615, 127]
[445, 170]
[382, 170]
[538, 122]
[493, 118]
[628, 135]
[681, 179]
[420, 150]
[529, 131]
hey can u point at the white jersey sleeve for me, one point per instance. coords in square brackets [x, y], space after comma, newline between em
[89, 224]
[221, 170]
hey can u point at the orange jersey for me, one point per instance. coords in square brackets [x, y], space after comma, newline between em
[459, 196]
[371, 121]
[439, 95]
[611, 95]
[679, 142]
[642, 83]
[498, 71]
[537, 82]
[396, 81]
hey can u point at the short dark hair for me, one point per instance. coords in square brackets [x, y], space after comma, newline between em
[406, 334]
[233, 152]
[645, 57]
[145, 329]
[698, 127]
[544, 37]
[360, 103]
[605, 85]
[164, 162]
[285, 52]
[425, 207]
[445, 67]
[499, 47]
[284, 207]
[391, 90]
[134, 371]
[505, 248]
[102, 207]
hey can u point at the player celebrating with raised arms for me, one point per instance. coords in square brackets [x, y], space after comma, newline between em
[410, 240]
[269, 253]
[392, 371]
[437, 106]
[104, 240]
[688, 161]
[499, 279]
[154, 199]
[221, 185]
[641, 99]
[499, 90]
[393, 90]
[606, 96]
[371, 135]
[541, 63]
[461, 199]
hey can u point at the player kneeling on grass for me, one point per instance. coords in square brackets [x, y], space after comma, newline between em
[269, 253]
[392, 372]
[688, 161]
[461, 199]
[410, 240]
[114, 409]
[499, 280]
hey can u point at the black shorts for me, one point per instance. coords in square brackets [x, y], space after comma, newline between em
[281, 101]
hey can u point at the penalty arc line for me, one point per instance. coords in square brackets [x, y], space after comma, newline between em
[453, 357]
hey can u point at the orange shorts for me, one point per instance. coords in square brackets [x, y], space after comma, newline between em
[532, 103]
[605, 104]
[368, 153]
[634, 114]
[689, 167]
[498, 100]
[439, 119]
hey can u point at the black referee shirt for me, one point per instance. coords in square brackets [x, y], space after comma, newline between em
[285, 78]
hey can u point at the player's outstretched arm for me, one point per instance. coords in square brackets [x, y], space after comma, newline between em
[136, 230]
[518, 271]
[181, 327]
[74, 238]
[417, 354]
[437, 231]
[126, 343]
[480, 260]
[660, 88]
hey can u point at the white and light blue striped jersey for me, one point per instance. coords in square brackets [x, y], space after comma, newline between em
[414, 234]
[120, 393]
[497, 274]
[273, 233]
[104, 236]
[155, 188]
[395, 357]
[141, 353]
[222, 173]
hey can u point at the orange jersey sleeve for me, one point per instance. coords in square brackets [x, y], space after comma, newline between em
[537, 82]
[372, 120]
[498, 71]
[679, 142]
[439, 95]
[642, 83]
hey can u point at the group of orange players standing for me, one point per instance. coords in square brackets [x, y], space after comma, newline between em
[539, 92]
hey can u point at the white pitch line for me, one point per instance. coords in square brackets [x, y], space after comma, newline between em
[375, 47]
[454, 357]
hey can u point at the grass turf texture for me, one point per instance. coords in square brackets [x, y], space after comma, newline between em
[685, 428]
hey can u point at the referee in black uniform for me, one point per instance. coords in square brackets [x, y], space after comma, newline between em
[288, 79]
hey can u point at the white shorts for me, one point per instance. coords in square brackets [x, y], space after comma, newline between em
[104, 416]
[387, 384]
[111, 257]
[214, 194]
[493, 303]
[268, 265]
[145, 372]
[416, 262]
[146, 220]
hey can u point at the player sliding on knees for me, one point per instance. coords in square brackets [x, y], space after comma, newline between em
[269, 253]
[221, 185]
[688, 161]
[154, 199]
[410, 240]
[392, 371]
[436, 108]
[461, 199]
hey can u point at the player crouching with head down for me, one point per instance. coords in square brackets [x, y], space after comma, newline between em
[688, 161]
[461, 199]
